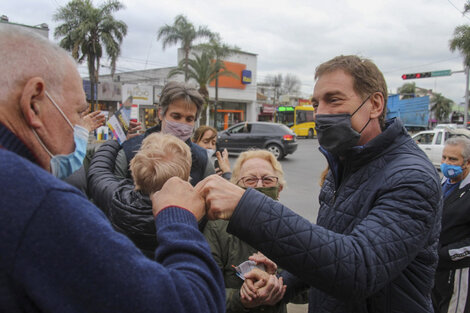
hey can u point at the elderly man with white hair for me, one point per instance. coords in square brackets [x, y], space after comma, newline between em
[58, 252]
[450, 292]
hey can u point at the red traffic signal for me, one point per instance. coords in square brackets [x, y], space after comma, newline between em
[416, 75]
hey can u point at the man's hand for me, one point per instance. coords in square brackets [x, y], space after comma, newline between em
[134, 128]
[221, 196]
[260, 258]
[260, 288]
[93, 120]
[224, 162]
[180, 193]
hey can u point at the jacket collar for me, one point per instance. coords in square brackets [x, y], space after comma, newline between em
[10, 142]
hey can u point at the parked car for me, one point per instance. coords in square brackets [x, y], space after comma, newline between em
[276, 138]
[432, 141]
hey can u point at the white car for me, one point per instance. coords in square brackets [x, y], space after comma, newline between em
[432, 141]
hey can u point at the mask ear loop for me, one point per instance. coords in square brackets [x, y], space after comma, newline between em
[42, 144]
[361, 105]
[58, 108]
[360, 132]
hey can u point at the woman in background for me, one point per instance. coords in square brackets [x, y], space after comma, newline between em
[206, 137]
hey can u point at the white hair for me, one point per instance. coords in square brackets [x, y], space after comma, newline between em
[463, 142]
[24, 55]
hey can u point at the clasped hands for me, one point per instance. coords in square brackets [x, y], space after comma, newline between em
[260, 287]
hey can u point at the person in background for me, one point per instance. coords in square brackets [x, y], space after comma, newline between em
[260, 170]
[179, 108]
[127, 202]
[206, 137]
[450, 292]
[374, 246]
[58, 251]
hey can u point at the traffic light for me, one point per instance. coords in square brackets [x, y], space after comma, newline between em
[417, 75]
[427, 74]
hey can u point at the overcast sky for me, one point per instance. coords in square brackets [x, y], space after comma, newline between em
[400, 36]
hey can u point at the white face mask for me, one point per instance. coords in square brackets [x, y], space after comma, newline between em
[210, 152]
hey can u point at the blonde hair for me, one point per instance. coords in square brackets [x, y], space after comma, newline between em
[160, 157]
[258, 154]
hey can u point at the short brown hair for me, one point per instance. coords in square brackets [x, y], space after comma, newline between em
[367, 78]
[201, 130]
[259, 154]
[177, 90]
[160, 157]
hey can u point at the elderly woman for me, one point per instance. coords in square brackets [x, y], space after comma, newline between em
[260, 170]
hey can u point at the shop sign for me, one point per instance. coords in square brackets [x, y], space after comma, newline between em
[246, 77]
[268, 108]
[140, 94]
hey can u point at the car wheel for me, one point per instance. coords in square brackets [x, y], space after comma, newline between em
[311, 134]
[275, 150]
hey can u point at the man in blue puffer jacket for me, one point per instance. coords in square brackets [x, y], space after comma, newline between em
[374, 247]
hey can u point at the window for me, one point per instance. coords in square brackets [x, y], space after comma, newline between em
[439, 138]
[304, 117]
[424, 139]
[241, 129]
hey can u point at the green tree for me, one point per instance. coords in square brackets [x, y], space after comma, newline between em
[203, 70]
[408, 90]
[87, 31]
[441, 106]
[184, 32]
[461, 42]
[219, 51]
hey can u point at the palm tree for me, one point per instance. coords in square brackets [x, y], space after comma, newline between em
[441, 106]
[218, 51]
[203, 71]
[182, 31]
[461, 42]
[88, 30]
[408, 90]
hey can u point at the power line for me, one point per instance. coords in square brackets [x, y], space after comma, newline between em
[461, 12]
[419, 66]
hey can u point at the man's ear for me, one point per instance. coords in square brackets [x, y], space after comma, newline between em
[31, 101]
[378, 102]
[159, 113]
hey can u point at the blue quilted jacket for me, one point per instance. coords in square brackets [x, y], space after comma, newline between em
[374, 247]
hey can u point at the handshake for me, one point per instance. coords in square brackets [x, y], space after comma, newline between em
[214, 196]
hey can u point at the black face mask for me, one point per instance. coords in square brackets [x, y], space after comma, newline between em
[335, 133]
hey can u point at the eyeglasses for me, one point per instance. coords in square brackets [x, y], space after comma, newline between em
[252, 181]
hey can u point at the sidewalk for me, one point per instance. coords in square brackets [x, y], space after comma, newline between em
[297, 308]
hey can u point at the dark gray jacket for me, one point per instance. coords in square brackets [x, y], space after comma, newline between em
[374, 247]
[129, 211]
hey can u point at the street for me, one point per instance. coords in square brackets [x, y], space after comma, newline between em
[302, 172]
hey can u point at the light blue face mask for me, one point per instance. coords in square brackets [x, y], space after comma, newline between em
[210, 152]
[63, 165]
[451, 171]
